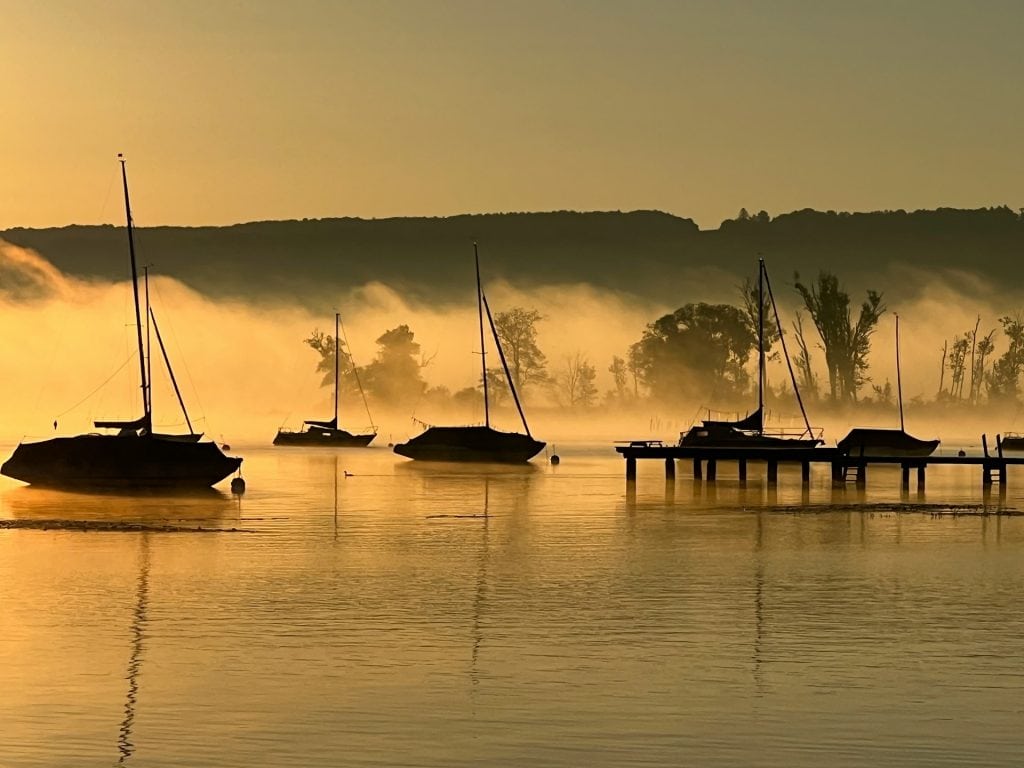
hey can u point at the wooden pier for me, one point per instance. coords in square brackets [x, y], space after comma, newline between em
[844, 468]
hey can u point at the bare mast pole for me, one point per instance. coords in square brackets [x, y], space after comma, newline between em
[337, 322]
[483, 351]
[149, 343]
[760, 344]
[899, 383]
[147, 418]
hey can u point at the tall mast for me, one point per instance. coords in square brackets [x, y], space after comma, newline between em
[337, 322]
[149, 344]
[899, 384]
[147, 418]
[483, 351]
[760, 341]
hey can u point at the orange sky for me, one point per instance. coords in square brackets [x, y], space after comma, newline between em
[238, 111]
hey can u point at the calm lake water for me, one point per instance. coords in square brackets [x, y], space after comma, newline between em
[354, 608]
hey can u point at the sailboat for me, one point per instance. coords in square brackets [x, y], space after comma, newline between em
[749, 432]
[870, 441]
[327, 432]
[134, 457]
[477, 443]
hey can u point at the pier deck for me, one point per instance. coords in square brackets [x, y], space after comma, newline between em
[706, 459]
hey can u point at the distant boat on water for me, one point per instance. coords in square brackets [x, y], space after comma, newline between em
[327, 433]
[134, 457]
[477, 443]
[749, 432]
[863, 441]
[1012, 442]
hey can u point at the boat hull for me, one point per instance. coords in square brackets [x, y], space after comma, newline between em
[470, 444]
[336, 438]
[885, 442]
[716, 435]
[103, 461]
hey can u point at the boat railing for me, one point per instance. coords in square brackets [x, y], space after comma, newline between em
[795, 432]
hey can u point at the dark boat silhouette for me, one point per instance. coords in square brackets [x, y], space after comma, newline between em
[866, 441]
[134, 457]
[1012, 442]
[749, 432]
[326, 433]
[473, 443]
[871, 441]
[477, 443]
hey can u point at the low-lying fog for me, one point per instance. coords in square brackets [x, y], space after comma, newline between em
[69, 346]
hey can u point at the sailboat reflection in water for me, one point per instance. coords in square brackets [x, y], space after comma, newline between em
[134, 457]
[477, 443]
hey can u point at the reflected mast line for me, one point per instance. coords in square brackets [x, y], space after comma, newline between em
[125, 745]
[479, 598]
[758, 672]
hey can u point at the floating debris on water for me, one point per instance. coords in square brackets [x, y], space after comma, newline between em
[104, 526]
[916, 508]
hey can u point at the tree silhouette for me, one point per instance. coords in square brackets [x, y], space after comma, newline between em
[1004, 378]
[517, 331]
[698, 350]
[846, 344]
[620, 376]
[575, 383]
[808, 382]
[323, 344]
[394, 376]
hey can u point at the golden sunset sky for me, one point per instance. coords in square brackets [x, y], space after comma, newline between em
[241, 111]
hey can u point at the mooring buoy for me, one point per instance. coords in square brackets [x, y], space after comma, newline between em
[237, 485]
[555, 459]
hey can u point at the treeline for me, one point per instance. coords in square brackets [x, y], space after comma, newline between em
[968, 360]
[702, 353]
[649, 254]
[395, 376]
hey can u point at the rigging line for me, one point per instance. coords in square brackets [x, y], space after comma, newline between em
[355, 370]
[181, 355]
[785, 353]
[101, 386]
[504, 365]
[170, 371]
[899, 383]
